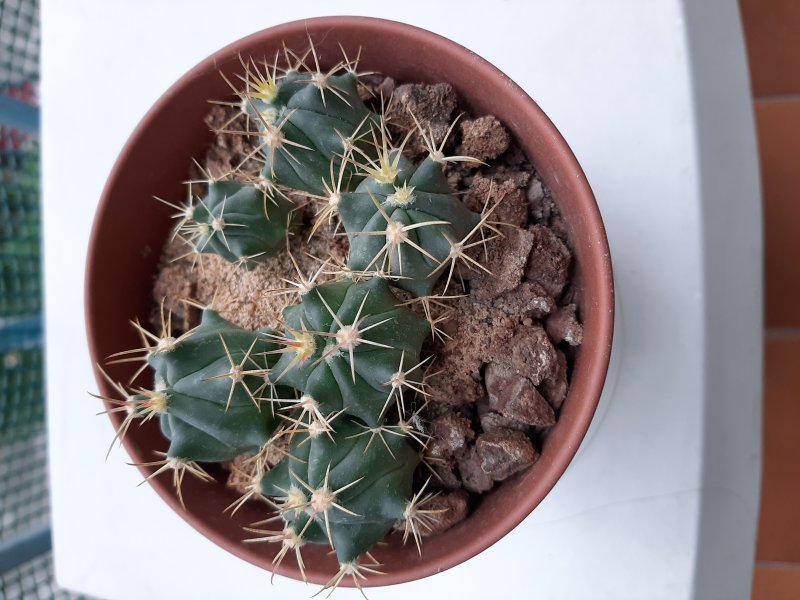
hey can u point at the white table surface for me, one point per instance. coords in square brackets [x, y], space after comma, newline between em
[653, 96]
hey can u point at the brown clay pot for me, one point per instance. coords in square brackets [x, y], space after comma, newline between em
[130, 230]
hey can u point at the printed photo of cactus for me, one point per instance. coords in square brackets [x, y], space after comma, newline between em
[363, 315]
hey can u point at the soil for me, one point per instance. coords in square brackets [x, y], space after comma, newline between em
[504, 356]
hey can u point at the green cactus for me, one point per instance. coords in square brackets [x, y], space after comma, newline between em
[404, 222]
[211, 381]
[344, 345]
[342, 488]
[310, 121]
[238, 221]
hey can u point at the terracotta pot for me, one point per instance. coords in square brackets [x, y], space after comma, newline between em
[130, 229]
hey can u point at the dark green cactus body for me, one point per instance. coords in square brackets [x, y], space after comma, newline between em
[238, 222]
[196, 420]
[416, 196]
[379, 476]
[391, 332]
[319, 126]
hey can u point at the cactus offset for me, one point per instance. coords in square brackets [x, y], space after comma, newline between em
[310, 121]
[238, 221]
[208, 389]
[212, 381]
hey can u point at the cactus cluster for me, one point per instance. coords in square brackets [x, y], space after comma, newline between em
[329, 392]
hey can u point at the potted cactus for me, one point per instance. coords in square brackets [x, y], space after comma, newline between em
[322, 412]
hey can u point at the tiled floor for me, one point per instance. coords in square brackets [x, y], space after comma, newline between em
[772, 32]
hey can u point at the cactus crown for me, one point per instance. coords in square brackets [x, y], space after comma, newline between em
[329, 392]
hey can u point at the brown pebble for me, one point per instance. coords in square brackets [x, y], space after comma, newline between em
[503, 190]
[507, 262]
[529, 300]
[512, 210]
[531, 353]
[431, 104]
[554, 388]
[514, 396]
[505, 452]
[492, 421]
[446, 475]
[450, 509]
[450, 433]
[455, 388]
[474, 478]
[548, 263]
[443, 511]
[483, 138]
[563, 325]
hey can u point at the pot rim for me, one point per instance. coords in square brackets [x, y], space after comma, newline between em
[600, 263]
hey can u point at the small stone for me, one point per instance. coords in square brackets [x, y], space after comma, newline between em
[554, 388]
[455, 389]
[548, 262]
[505, 452]
[507, 262]
[531, 355]
[445, 474]
[512, 210]
[563, 325]
[492, 421]
[474, 478]
[450, 433]
[483, 138]
[528, 300]
[514, 396]
[431, 104]
[454, 508]
[503, 190]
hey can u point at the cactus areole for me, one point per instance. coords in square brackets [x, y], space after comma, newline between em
[319, 410]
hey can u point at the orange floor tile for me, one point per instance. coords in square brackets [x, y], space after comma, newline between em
[776, 582]
[779, 527]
